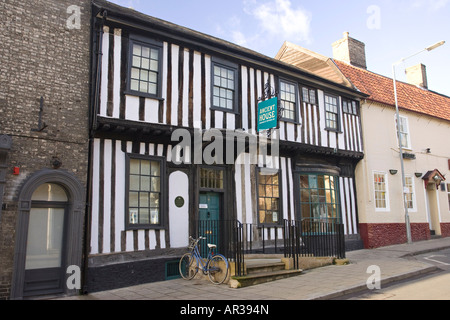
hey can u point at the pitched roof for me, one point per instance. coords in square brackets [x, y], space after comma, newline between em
[410, 97]
[311, 61]
[132, 18]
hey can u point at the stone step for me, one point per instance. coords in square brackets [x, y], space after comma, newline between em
[264, 265]
[258, 278]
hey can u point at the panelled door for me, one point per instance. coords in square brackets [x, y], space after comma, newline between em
[209, 216]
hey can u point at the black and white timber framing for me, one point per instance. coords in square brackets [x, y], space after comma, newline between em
[124, 123]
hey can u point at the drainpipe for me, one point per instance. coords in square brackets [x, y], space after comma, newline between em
[5, 146]
[96, 62]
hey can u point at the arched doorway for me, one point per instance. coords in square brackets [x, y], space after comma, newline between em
[49, 234]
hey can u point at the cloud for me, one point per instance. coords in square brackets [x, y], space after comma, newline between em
[432, 5]
[279, 19]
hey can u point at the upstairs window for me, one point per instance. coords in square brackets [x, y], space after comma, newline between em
[350, 107]
[331, 112]
[404, 133]
[288, 95]
[224, 85]
[145, 68]
[309, 95]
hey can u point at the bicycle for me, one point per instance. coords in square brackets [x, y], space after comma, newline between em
[215, 265]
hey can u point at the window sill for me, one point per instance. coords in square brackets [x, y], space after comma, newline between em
[333, 130]
[144, 227]
[290, 121]
[142, 94]
[225, 110]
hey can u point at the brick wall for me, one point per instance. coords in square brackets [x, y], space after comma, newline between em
[376, 235]
[41, 57]
[445, 229]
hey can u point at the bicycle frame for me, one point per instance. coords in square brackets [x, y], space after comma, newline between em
[211, 266]
[200, 260]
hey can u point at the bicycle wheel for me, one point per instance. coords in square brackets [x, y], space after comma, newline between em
[187, 266]
[217, 269]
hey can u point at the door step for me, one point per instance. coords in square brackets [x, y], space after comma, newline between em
[261, 271]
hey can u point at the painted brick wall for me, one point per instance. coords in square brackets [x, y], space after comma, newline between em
[41, 57]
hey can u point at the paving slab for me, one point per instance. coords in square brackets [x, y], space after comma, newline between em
[328, 282]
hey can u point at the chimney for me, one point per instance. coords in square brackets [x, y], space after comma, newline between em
[417, 75]
[351, 51]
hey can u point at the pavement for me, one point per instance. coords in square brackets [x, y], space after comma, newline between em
[395, 262]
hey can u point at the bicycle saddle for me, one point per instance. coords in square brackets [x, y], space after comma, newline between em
[211, 246]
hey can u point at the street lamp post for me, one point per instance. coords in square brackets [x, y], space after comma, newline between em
[405, 205]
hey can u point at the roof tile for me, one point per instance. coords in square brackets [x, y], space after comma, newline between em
[410, 97]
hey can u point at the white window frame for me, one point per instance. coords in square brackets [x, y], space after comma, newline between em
[387, 208]
[414, 203]
[448, 195]
[408, 132]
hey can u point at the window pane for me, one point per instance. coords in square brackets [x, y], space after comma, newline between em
[134, 85]
[49, 192]
[134, 182]
[45, 238]
[136, 62]
[155, 184]
[133, 199]
[145, 52]
[144, 216]
[143, 199]
[154, 200]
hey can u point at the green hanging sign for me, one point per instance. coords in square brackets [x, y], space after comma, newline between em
[268, 114]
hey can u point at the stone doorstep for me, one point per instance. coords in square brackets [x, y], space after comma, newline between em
[257, 278]
[266, 268]
[261, 268]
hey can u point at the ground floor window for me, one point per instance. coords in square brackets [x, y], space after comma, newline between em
[448, 192]
[319, 196]
[381, 191]
[269, 196]
[410, 195]
[144, 186]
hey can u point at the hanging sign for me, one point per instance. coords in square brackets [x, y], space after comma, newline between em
[268, 114]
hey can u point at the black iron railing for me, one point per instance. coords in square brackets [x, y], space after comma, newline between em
[314, 237]
[308, 237]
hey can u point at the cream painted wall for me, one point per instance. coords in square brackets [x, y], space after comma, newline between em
[382, 154]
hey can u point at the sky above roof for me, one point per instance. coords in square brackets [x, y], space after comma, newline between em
[391, 29]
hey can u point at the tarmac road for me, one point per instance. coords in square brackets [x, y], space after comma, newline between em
[434, 286]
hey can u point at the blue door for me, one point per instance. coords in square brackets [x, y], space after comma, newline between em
[209, 216]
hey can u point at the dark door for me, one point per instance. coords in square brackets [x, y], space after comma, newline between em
[44, 263]
[209, 216]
